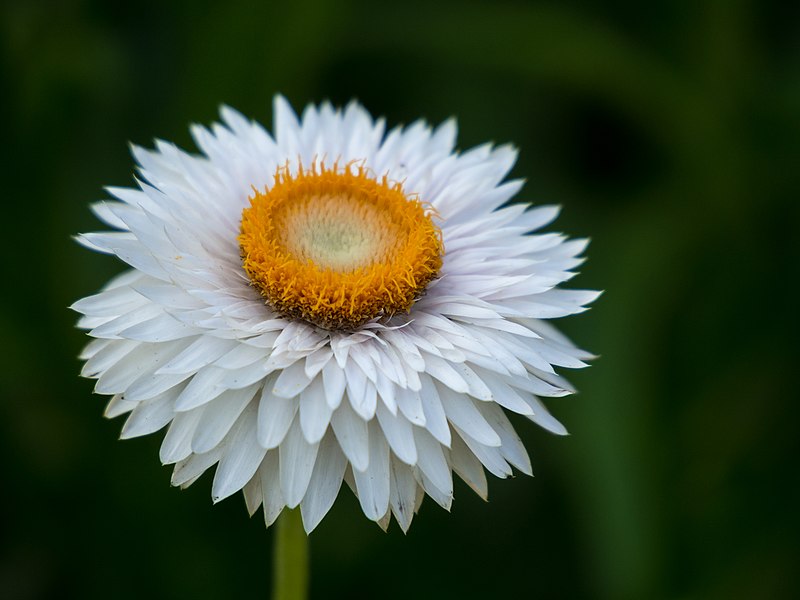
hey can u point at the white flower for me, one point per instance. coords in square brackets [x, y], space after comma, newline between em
[367, 318]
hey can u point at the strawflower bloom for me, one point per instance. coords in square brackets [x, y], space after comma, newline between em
[331, 303]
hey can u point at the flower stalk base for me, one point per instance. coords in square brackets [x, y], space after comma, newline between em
[290, 558]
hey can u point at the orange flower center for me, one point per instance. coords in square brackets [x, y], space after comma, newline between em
[337, 247]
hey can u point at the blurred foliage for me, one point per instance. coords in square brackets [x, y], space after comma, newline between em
[669, 133]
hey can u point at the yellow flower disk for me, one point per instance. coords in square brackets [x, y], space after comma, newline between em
[338, 247]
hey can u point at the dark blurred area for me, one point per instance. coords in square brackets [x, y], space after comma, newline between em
[669, 132]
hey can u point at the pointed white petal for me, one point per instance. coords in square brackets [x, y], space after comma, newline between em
[511, 448]
[317, 360]
[373, 483]
[297, 459]
[326, 480]
[384, 521]
[203, 387]
[189, 469]
[291, 381]
[315, 414]
[118, 406]
[402, 493]
[201, 353]
[177, 444]
[360, 391]
[219, 417]
[141, 361]
[105, 354]
[435, 417]
[269, 472]
[542, 417]
[468, 467]
[240, 356]
[490, 457]
[397, 430]
[462, 413]
[253, 495]
[505, 395]
[151, 416]
[432, 461]
[387, 392]
[275, 415]
[352, 433]
[334, 382]
[410, 405]
[444, 372]
[442, 498]
[240, 459]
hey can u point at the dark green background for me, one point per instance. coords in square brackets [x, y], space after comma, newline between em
[669, 133]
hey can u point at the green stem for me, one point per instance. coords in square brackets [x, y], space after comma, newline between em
[290, 558]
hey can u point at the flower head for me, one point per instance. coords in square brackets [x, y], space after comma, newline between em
[331, 303]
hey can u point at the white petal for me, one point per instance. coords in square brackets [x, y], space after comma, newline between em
[168, 295]
[326, 480]
[189, 469]
[435, 416]
[444, 372]
[462, 413]
[161, 328]
[110, 303]
[384, 521]
[398, 432]
[253, 495]
[505, 395]
[128, 249]
[317, 360]
[112, 352]
[432, 462]
[240, 459]
[315, 414]
[203, 387]
[358, 391]
[511, 448]
[443, 499]
[364, 361]
[334, 382]
[239, 378]
[287, 128]
[201, 353]
[373, 483]
[542, 384]
[402, 493]
[91, 349]
[291, 381]
[468, 467]
[141, 361]
[542, 417]
[218, 418]
[410, 405]
[118, 406]
[240, 356]
[387, 392]
[477, 387]
[151, 385]
[269, 472]
[352, 433]
[490, 457]
[103, 211]
[275, 415]
[296, 465]
[150, 416]
[177, 444]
